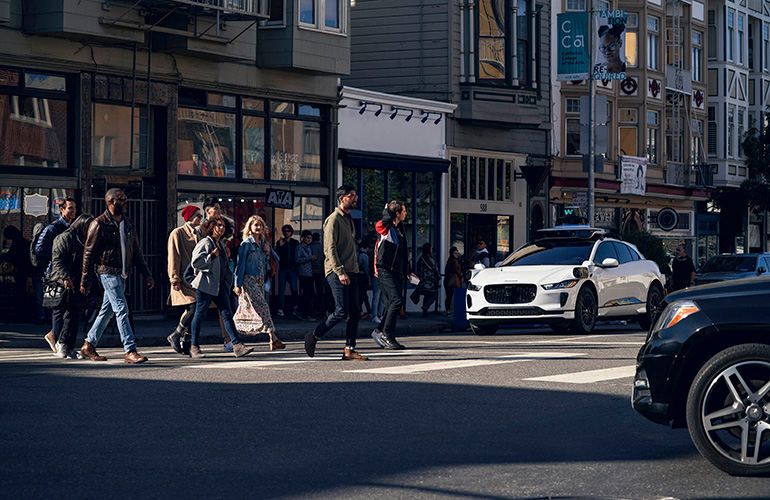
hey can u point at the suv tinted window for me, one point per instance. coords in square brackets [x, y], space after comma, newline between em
[624, 253]
[729, 263]
[544, 253]
[605, 251]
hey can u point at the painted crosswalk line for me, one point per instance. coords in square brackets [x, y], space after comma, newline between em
[266, 363]
[589, 377]
[464, 363]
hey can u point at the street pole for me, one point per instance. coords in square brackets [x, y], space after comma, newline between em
[592, 115]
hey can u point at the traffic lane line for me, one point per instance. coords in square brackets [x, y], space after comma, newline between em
[464, 363]
[589, 377]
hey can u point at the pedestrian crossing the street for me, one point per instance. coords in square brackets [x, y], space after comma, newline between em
[536, 355]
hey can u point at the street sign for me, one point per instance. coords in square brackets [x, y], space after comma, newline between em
[573, 58]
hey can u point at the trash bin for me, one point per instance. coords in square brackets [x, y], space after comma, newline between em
[459, 321]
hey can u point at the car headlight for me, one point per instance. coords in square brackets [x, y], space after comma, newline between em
[473, 288]
[561, 284]
[675, 313]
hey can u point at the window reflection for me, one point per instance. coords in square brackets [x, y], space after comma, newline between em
[253, 147]
[33, 131]
[296, 150]
[111, 139]
[206, 143]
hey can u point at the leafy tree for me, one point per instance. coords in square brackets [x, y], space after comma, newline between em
[756, 189]
[651, 247]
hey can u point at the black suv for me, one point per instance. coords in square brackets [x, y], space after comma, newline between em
[706, 365]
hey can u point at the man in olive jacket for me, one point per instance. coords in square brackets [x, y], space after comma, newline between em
[111, 248]
[341, 267]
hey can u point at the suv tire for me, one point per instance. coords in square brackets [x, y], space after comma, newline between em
[586, 311]
[654, 300]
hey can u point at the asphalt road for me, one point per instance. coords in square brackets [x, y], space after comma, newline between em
[521, 414]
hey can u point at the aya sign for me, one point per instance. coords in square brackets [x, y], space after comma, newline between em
[280, 199]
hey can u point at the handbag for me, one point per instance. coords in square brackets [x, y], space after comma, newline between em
[55, 294]
[453, 281]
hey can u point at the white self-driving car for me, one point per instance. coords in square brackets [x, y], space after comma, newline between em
[568, 277]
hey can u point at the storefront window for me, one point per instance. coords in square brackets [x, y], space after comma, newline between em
[111, 136]
[425, 211]
[296, 150]
[206, 143]
[253, 147]
[33, 131]
[372, 199]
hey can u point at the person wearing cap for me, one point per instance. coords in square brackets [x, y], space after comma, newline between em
[181, 243]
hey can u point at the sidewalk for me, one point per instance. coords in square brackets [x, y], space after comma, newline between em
[153, 332]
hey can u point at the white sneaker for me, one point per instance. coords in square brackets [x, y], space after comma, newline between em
[376, 320]
[61, 351]
[228, 347]
[280, 312]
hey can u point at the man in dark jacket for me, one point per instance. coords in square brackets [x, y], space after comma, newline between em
[111, 248]
[286, 248]
[391, 264]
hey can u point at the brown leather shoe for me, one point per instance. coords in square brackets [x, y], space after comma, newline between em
[351, 355]
[88, 351]
[134, 357]
[241, 350]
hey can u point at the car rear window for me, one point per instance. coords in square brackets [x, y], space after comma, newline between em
[544, 253]
[729, 263]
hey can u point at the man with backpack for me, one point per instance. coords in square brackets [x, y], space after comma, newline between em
[41, 252]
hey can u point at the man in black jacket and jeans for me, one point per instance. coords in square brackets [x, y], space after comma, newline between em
[391, 264]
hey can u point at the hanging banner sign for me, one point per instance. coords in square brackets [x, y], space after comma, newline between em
[279, 198]
[573, 59]
[633, 171]
[610, 53]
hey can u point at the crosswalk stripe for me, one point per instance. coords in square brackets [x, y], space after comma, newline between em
[590, 376]
[463, 363]
[263, 363]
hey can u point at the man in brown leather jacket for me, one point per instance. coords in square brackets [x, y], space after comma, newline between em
[111, 248]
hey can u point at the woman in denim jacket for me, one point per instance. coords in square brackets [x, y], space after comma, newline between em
[253, 314]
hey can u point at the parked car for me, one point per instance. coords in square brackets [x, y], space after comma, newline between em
[732, 267]
[568, 277]
[706, 365]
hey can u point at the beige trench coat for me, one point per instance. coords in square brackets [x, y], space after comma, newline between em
[181, 243]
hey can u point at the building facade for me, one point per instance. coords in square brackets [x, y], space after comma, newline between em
[171, 101]
[491, 59]
[657, 114]
[739, 90]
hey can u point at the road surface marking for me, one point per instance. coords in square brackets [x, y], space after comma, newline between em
[590, 376]
[463, 363]
[264, 363]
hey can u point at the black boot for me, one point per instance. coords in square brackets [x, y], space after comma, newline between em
[175, 340]
[186, 344]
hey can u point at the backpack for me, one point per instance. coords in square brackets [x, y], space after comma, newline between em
[37, 262]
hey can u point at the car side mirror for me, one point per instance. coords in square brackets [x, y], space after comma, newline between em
[761, 270]
[478, 266]
[610, 262]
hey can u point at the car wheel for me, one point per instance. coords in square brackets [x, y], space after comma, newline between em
[728, 410]
[483, 329]
[654, 301]
[586, 311]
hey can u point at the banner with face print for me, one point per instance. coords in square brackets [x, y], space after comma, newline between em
[610, 39]
[633, 171]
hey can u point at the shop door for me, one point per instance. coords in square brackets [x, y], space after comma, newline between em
[146, 212]
[496, 230]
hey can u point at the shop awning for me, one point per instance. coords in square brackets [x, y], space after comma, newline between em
[389, 161]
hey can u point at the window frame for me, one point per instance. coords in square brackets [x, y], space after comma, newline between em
[696, 55]
[653, 43]
[510, 45]
[319, 15]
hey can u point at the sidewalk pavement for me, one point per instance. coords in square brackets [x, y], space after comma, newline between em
[153, 332]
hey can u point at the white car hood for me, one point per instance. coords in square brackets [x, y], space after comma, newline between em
[523, 274]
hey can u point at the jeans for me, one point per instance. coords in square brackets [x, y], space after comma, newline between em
[429, 297]
[378, 298]
[392, 285]
[363, 295]
[114, 304]
[289, 275]
[225, 311]
[66, 321]
[345, 306]
[305, 306]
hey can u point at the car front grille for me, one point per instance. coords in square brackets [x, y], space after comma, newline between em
[510, 294]
[524, 311]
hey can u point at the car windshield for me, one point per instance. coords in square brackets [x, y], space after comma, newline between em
[730, 263]
[545, 253]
